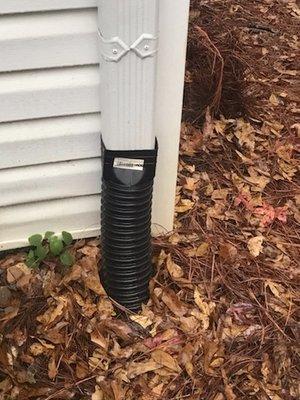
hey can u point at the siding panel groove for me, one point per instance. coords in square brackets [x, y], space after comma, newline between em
[47, 93]
[79, 215]
[49, 140]
[44, 40]
[50, 181]
[22, 6]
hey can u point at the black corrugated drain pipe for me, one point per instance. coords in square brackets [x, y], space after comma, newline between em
[127, 187]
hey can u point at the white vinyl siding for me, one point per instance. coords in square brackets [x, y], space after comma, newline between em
[50, 116]
[49, 140]
[50, 181]
[49, 93]
[48, 39]
[80, 215]
[50, 167]
[22, 6]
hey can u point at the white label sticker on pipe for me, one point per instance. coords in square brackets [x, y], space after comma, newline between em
[128, 163]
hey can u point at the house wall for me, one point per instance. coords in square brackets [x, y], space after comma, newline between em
[50, 116]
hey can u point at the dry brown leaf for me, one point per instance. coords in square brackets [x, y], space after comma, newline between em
[91, 275]
[99, 360]
[285, 296]
[20, 275]
[217, 212]
[88, 308]
[157, 340]
[259, 181]
[229, 393]
[184, 205]
[192, 139]
[213, 357]
[38, 349]
[73, 275]
[228, 252]
[55, 335]
[10, 260]
[273, 99]
[228, 388]
[175, 238]
[118, 352]
[142, 320]
[51, 282]
[157, 390]
[99, 339]
[190, 184]
[209, 190]
[285, 152]
[117, 390]
[220, 125]
[82, 370]
[245, 134]
[190, 324]
[18, 336]
[136, 369]
[266, 368]
[46, 344]
[5, 386]
[52, 368]
[171, 300]
[220, 194]
[98, 394]
[165, 359]
[204, 307]
[297, 128]
[200, 251]
[90, 251]
[255, 245]
[93, 283]
[245, 160]
[105, 308]
[165, 373]
[174, 270]
[5, 296]
[208, 127]
[287, 170]
[11, 311]
[219, 396]
[53, 312]
[26, 376]
[271, 394]
[120, 328]
[187, 355]
[232, 331]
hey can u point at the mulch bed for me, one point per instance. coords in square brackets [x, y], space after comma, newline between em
[223, 319]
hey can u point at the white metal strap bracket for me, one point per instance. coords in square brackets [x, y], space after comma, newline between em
[145, 46]
[115, 49]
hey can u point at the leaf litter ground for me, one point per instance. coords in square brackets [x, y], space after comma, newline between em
[223, 319]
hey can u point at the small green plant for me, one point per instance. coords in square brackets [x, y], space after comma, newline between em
[49, 245]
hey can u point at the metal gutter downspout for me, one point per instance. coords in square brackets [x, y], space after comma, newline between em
[128, 33]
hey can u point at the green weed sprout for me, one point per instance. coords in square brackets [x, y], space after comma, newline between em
[49, 245]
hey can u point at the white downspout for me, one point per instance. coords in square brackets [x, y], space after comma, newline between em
[128, 36]
[128, 32]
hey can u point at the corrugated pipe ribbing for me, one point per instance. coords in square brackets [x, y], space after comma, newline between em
[127, 188]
